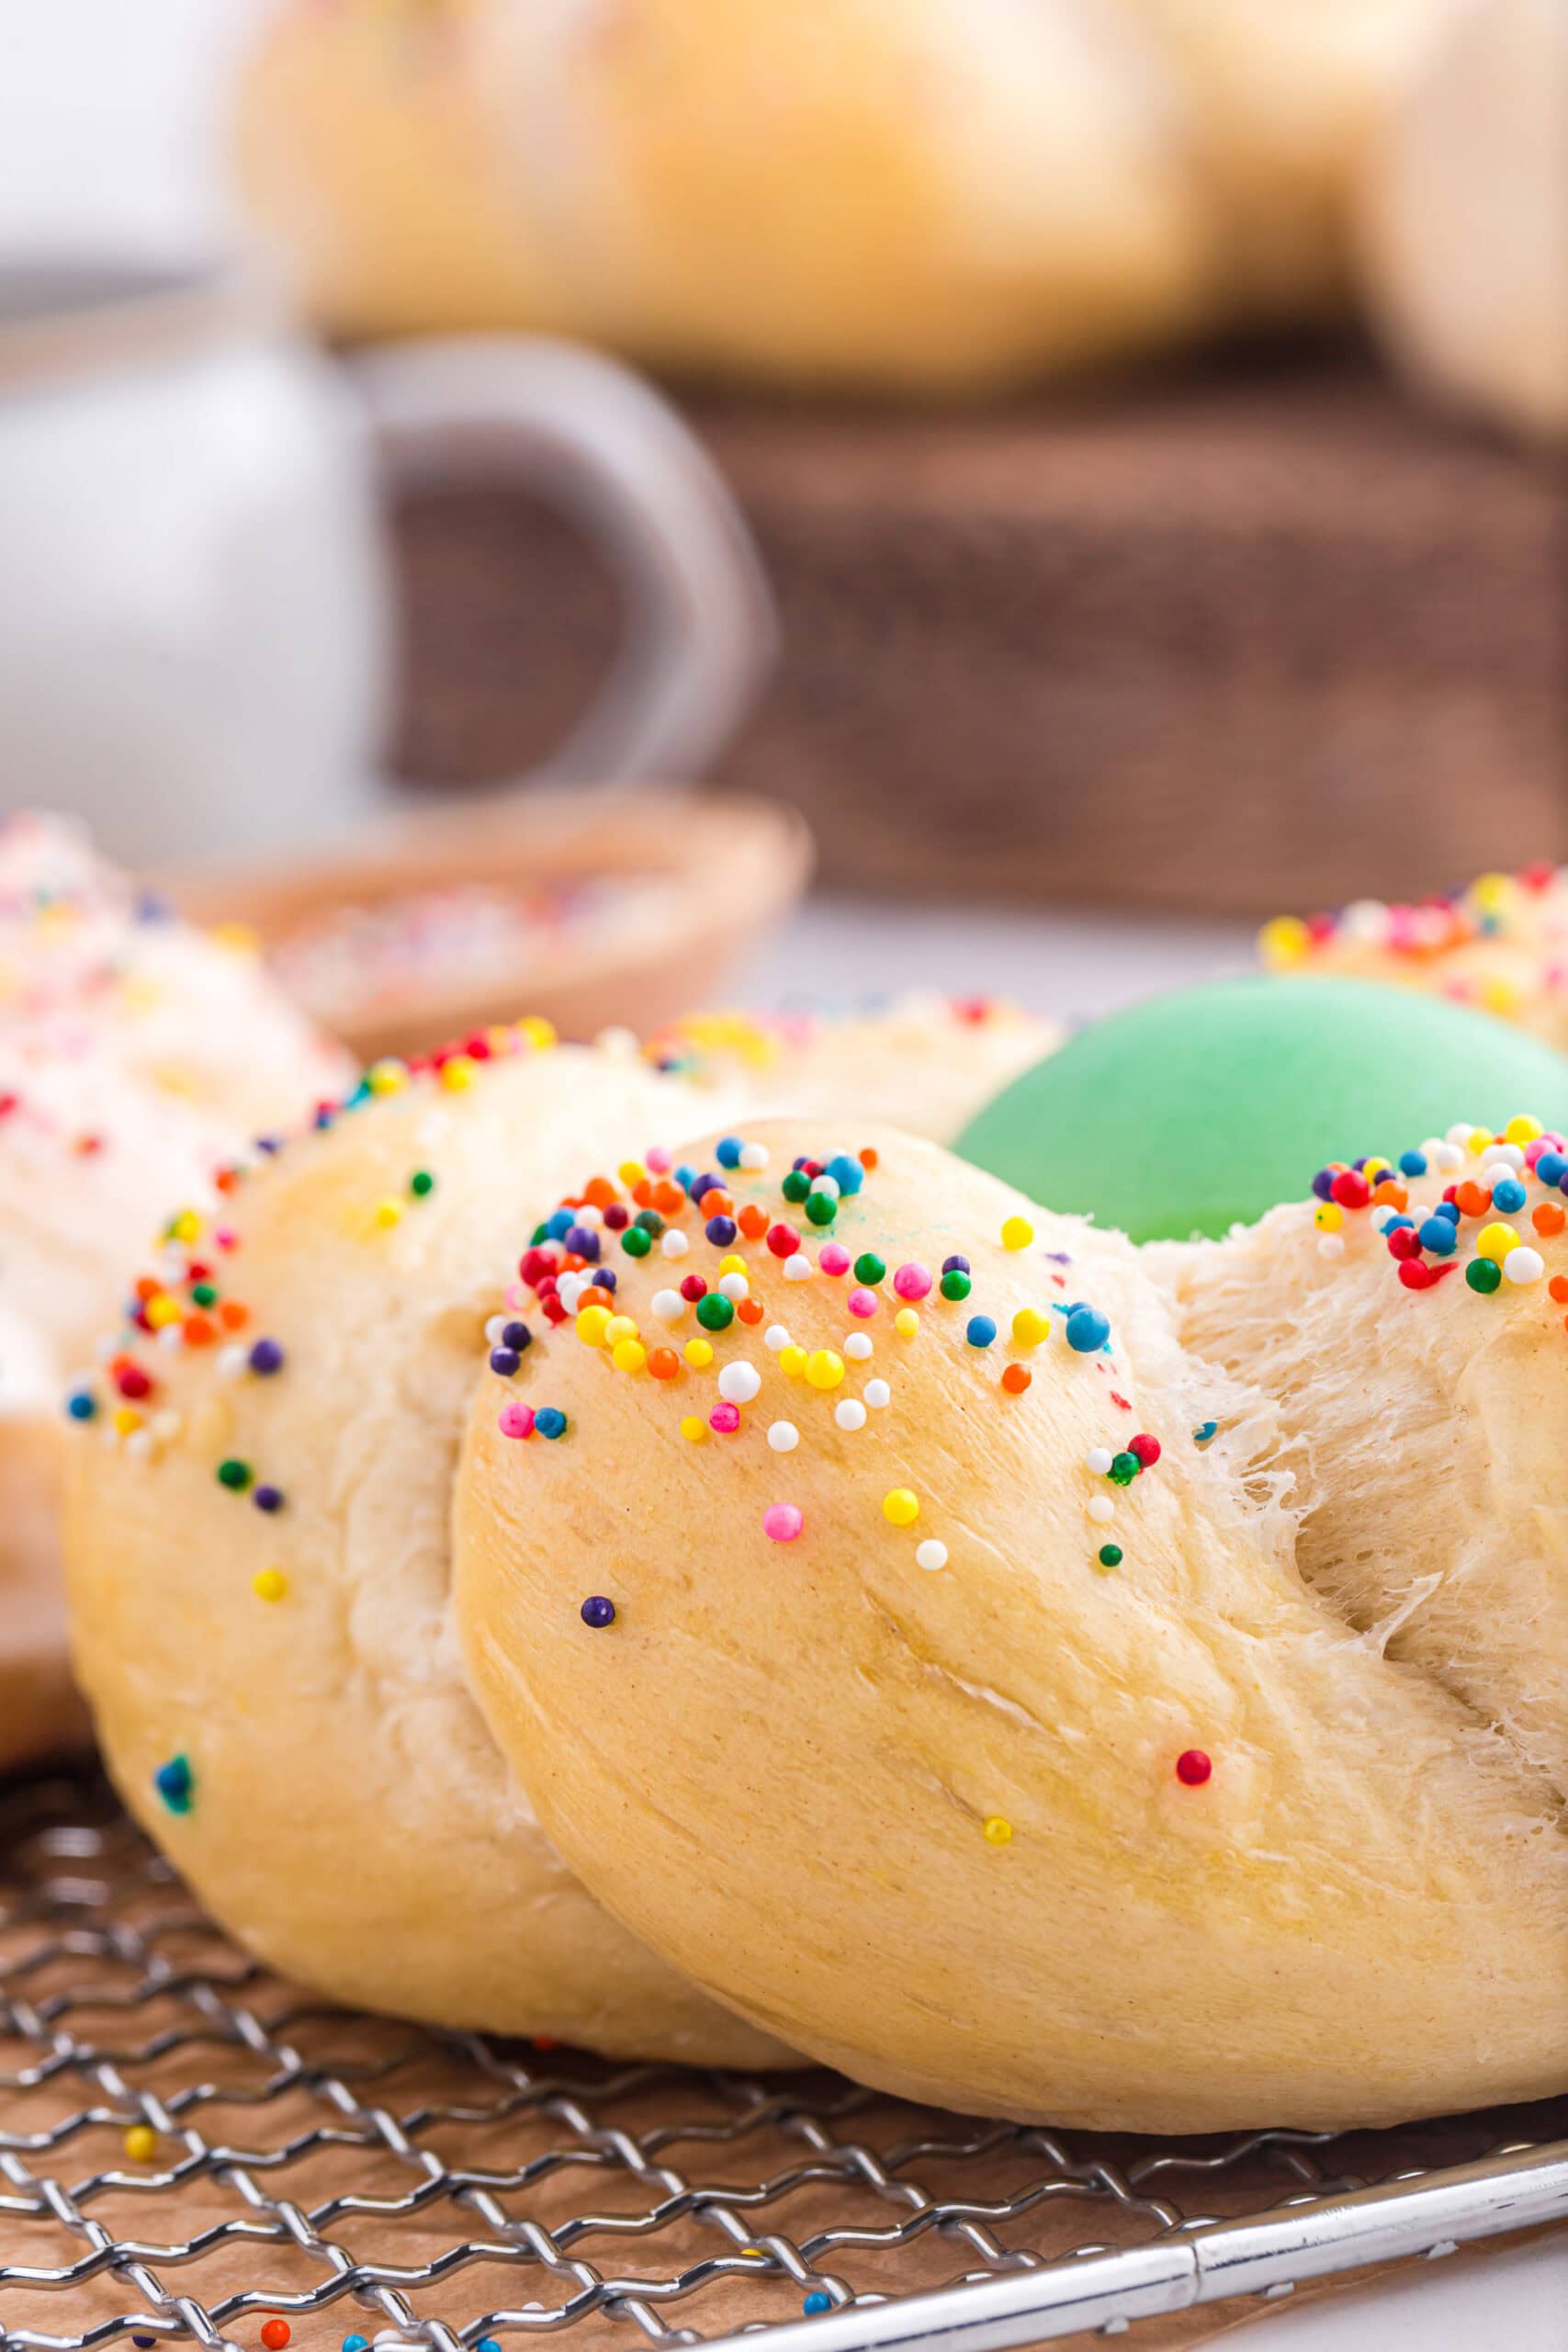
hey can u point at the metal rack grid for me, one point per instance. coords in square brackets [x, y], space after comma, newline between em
[358, 2175]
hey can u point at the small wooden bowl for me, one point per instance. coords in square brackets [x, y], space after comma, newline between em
[734, 867]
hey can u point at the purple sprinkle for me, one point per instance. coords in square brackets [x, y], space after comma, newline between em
[597, 1610]
[506, 1360]
[955, 1265]
[266, 1356]
[516, 1336]
[268, 1498]
[582, 1241]
[1322, 1184]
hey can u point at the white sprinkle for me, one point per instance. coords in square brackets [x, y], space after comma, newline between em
[171, 1336]
[1383, 1217]
[798, 1269]
[753, 1156]
[669, 1305]
[931, 1554]
[1098, 1459]
[784, 1437]
[1101, 1506]
[1523, 1265]
[616, 1041]
[735, 1286]
[139, 1444]
[1331, 1245]
[877, 1394]
[1445, 1157]
[496, 1326]
[1460, 1131]
[738, 1382]
[827, 1185]
[1512, 1153]
[850, 1413]
[586, 1213]
[568, 1290]
[774, 1338]
[166, 1426]
[230, 1362]
[674, 1244]
[858, 1345]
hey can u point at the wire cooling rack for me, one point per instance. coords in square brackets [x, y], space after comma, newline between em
[357, 2176]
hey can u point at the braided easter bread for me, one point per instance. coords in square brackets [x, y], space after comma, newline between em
[259, 1558]
[924, 1639]
[1500, 945]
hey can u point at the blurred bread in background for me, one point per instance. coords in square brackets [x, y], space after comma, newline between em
[1461, 220]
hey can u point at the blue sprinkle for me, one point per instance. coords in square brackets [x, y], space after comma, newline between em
[980, 1331]
[1413, 1164]
[847, 1173]
[684, 1176]
[816, 2303]
[81, 1404]
[1551, 1168]
[550, 1421]
[1508, 1195]
[1088, 1329]
[324, 1115]
[727, 1151]
[357, 2344]
[175, 1783]
[1204, 1431]
[486, 2344]
[1439, 1236]
[1449, 1209]
[1395, 1221]
[559, 1225]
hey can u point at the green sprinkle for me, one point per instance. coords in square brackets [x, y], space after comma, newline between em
[797, 1185]
[651, 1222]
[715, 1312]
[869, 1269]
[637, 1242]
[1484, 1275]
[955, 1284]
[540, 1233]
[1123, 1469]
[421, 1183]
[234, 1474]
[821, 1208]
[1110, 1555]
[204, 1293]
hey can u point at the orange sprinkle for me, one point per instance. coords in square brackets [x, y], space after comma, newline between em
[146, 1288]
[664, 1363]
[601, 1192]
[1016, 1379]
[1557, 1286]
[226, 1180]
[571, 1264]
[1390, 1193]
[867, 1157]
[595, 1296]
[753, 1221]
[668, 1198]
[199, 1330]
[1473, 1200]
[716, 1202]
[749, 1310]
[1547, 1217]
[642, 1192]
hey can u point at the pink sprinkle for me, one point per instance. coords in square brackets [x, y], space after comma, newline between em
[515, 1419]
[725, 1418]
[912, 1279]
[783, 1522]
[833, 1258]
[517, 1294]
[225, 1237]
[657, 1158]
[863, 1303]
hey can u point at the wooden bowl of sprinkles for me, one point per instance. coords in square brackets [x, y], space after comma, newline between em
[594, 910]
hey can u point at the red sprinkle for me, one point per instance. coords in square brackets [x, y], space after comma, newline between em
[1193, 1768]
[1146, 1448]
[1350, 1189]
[783, 1240]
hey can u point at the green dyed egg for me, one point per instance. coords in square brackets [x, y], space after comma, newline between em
[1185, 1114]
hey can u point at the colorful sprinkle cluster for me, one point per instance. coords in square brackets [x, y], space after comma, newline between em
[1480, 1221]
[716, 1262]
[1528, 910]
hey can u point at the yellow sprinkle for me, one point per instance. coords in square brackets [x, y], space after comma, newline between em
[539, 1033]
[1480, 1140]
[1496, 1241]
[792, 1362]
[631, 1172]
[187, 1227]
[269, 1584]
[695, 1427]
[388, 1213]
[997, 1831]
[388, 1076]
[1373, 1165]
[141, 2143]
[905, 1322]
[591, 1325]
[824, 1369]
[161, 1310]
[901, 1505]
[1017, 1233]
[1492, 892]
[1501, 994]
[238, 937]
[629, 1355]
[731, 1265]
[1328, 1216]
[1030, 1327]
[1286, 940]
[125, 1419]
[698, 1353]
[619, 1327]
[459, 1073]
[1522, 1129]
